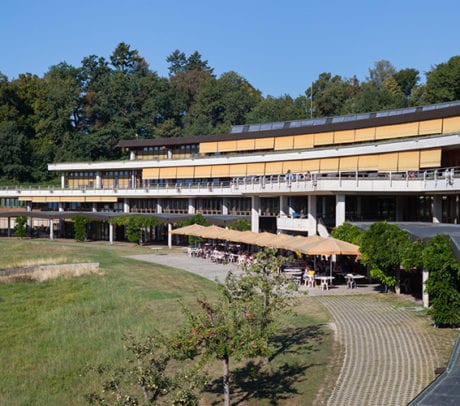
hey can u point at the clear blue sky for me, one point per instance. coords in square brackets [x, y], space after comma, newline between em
[280, 47]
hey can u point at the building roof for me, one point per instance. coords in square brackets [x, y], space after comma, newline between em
[317, 125]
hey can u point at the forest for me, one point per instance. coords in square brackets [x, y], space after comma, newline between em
[81, 113]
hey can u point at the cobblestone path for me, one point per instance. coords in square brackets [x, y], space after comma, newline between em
[388, 359]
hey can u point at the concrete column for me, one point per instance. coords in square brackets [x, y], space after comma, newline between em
[94, 207]
[284, 209]
[61, 207]
[9, 227]
[339, 209]
[255, 209]
[169, 235]
[110, 233]
[436, 209]
[132, 155]
[51, 229]
[29, 218]
[62, 180]
[191, 205]
[98, 180]
[425, 296]
[125, 206]
[225, 206]
[159, 206]
[133, 180]
[311, 216]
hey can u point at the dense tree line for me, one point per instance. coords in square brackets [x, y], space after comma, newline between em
[80, 113]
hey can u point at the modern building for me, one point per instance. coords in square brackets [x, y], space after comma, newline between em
[299, 177]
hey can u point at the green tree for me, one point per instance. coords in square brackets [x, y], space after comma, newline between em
[13, 153]
[150, 378]
[79, 225]
[384, 247]
[240, 322]
[240, 225]
[443, 82]
[20, 226]
[195, 219]
[443, 284]
[350, 233]
[284, 108]
[135, 225]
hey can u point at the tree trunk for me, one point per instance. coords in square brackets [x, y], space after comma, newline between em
[226, 365]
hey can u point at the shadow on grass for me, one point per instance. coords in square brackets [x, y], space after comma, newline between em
[277, 380]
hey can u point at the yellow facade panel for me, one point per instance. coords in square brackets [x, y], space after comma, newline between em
[185, 172]
[106, 199]
[324, 138]
[220, 171]
[430, 127]
[310, 165]
[245, 145]
[396, 131]
[365, 134]
[283, 143]
[208, 147]
[256, 169]
[70, 199]
[408, 160]
[168, 173]
[388, 162]
[226, 146]
[274, 168]
[293, 166]
[264, 143]
[304, 141]
[342, 137]
[150, 173]
[430, 158]
[348, 164]
[203, 171]
[451, 125]
[368, 163]
[39, 199]
[329, 165]
[238, 170]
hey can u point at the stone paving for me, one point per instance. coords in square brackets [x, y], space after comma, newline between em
[387, 358]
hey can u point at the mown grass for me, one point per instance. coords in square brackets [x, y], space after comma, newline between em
[51, 332]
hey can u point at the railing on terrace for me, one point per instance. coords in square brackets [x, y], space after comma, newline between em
[441, 174]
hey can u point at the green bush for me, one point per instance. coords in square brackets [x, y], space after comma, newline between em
[79, 225]
[443, 284]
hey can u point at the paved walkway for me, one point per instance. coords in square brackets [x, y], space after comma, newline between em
[388, 359]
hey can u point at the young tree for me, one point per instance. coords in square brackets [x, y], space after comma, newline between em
[240, 322]
[20, 226]
[348, 232]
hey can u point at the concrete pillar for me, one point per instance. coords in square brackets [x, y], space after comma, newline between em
[126, 206]
[311, 216]
[51, 229]
[425, 296]
[110, 233]
[339, 209]
[132, 155]
[60, 207]
[94, 207]
[29, 218]
[62, 180]
[284, 209]
[191, 205]
[133, 180]
[436, 209]
[225, 206]
[255, 210]
[159, 206]
[98, 180]
[9, 227]
[169, 235]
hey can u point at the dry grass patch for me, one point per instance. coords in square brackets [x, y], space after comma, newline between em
[43, 273]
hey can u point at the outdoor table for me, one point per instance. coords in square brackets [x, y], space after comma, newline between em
[351, 280]
[324, 281]
[293, 273]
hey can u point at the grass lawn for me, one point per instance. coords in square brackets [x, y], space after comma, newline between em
[51, 332]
